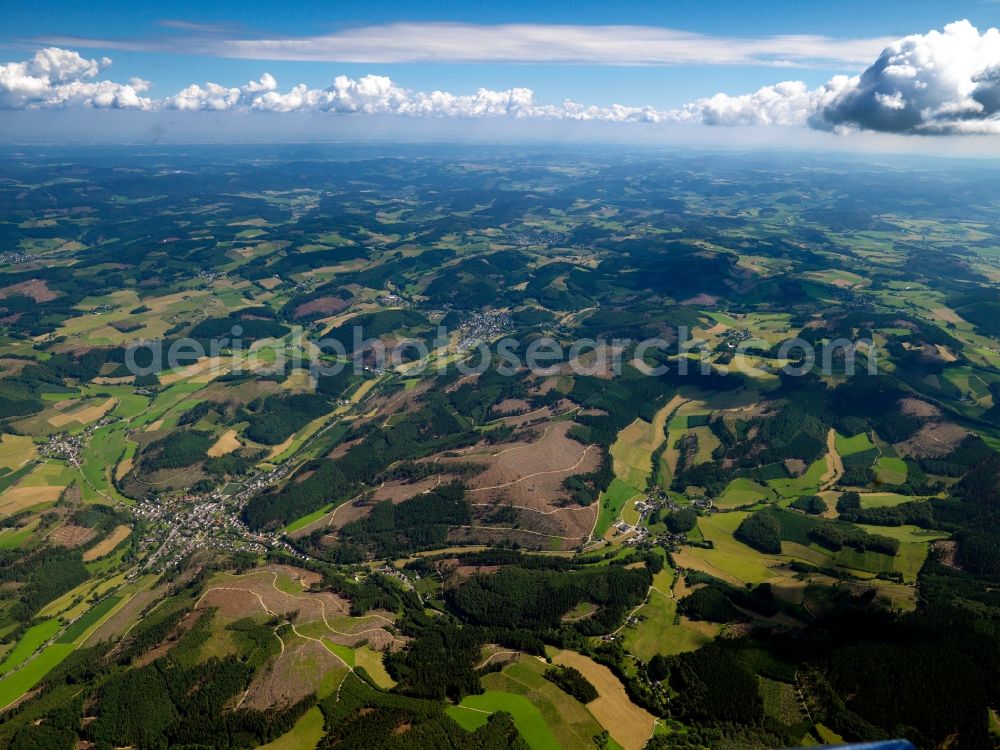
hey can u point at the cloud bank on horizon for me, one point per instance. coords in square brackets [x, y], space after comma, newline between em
[941, 82]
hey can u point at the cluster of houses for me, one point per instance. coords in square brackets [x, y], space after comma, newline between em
[484, 326]
[63, 446]
[736, 336]
[399, 575]
[533, 239]
[14, 257]
[196, 523]
[639, 534]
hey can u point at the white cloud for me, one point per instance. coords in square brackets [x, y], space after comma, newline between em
[56, 77]
[512, 43]
[940, 82]
[216, 98]
[379, 95]
[789, 103]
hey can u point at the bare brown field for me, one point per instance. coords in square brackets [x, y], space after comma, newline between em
[834, 463]
[681, 588]
[946, 550]
[270, 283]
[226, 443]
[106, 545]
[343, 448]
[231, 602]
[630, 726]
[71, 535]
[124, 380]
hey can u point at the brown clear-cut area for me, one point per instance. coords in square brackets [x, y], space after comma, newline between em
[396, 492]
[70, 535]
[35, 289]
[933, 440]
[300, 669]
[320, 306]
[528, 476]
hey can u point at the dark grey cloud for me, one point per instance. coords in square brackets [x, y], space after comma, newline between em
[940, 82]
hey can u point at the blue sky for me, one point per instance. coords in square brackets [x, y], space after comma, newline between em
[660, 60]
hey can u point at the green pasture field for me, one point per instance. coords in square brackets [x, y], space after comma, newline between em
[474, 710]
[305, 735]
[656, 632]
[884, 499]
[14, 685]
[807, 484]
[89, 619]
[890, 470]
[744, 491]
[612, 501]
[847, 446]
[33, 638]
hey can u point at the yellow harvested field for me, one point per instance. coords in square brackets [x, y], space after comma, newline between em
[362, 390]
[85, 415]
[107, 544]
[227, 443]
[281, 447]
[299, 380]
[635, 444]
[270, 283]
[202, 371]
[17, 499]
[123, 468]
[372, 662]
[16, 451]
[947, 315]
[630, 726]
